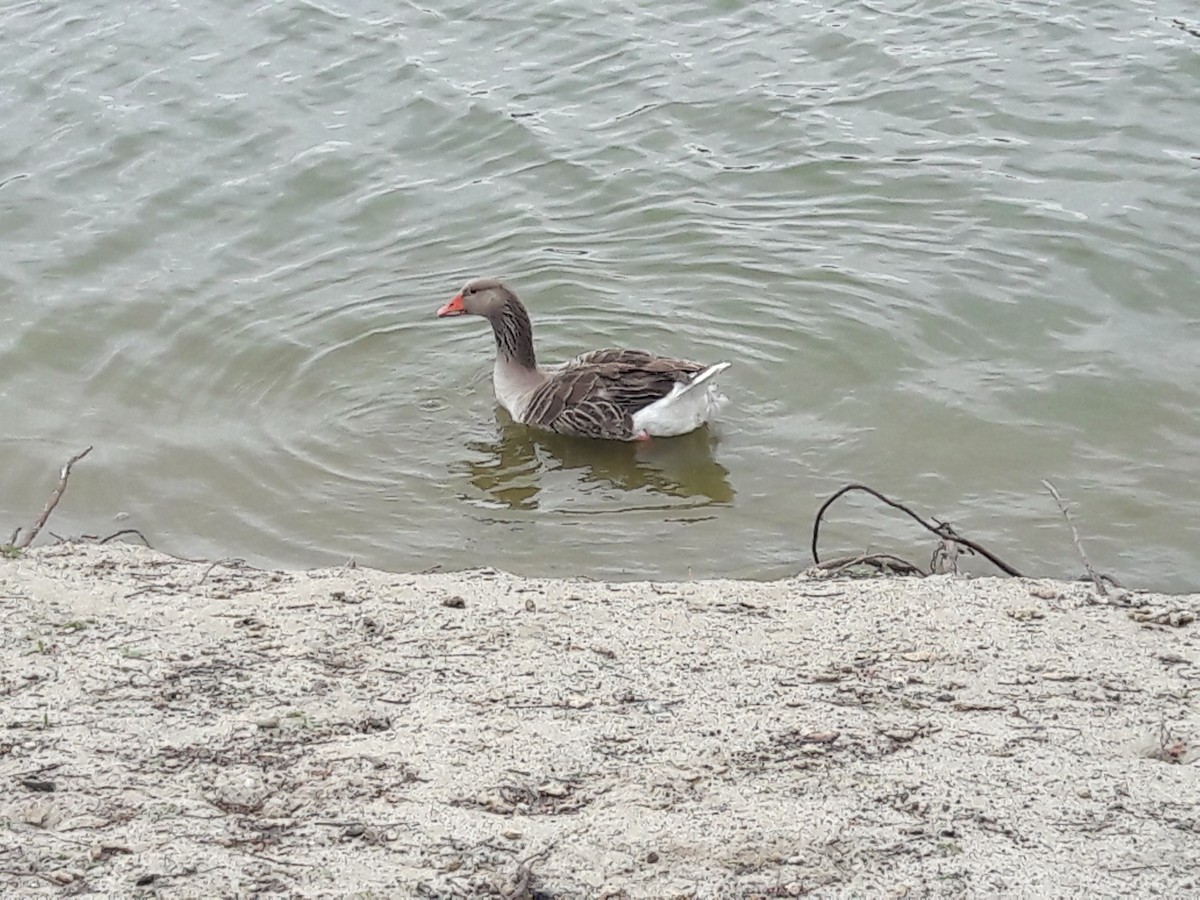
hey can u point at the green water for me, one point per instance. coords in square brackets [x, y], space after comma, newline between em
[950, 248]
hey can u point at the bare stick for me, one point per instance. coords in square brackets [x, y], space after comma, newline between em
[517, 887]
[229, 562]
[53, 501]
[123, 531]
[884, 562]
[942, 529]
[1096, 579]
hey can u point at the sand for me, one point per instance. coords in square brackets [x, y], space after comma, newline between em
[191, 729]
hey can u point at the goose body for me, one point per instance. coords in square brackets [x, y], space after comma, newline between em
[613, 394]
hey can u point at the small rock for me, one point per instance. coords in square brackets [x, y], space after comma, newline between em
[372, 724]
[511, 835]
[1176, 618]
[1045, 593]
[819, 737]
[1026, 614]
[455, 602]
[355, 830]
[530, 606]
[36, 814]
[652, 857]
[1173, 659]
[101, 852]
[268, 722]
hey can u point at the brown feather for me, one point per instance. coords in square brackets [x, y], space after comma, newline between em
[599, 392]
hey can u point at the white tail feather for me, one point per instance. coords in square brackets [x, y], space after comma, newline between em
[703, 376]
[684, 409]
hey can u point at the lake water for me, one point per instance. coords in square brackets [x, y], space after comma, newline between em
[951, 248]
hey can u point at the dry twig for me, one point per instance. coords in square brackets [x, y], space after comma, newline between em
[1096, 579]
[884, 563]
[943, 530]
[55, 496]
[117, 534]
[518, 887]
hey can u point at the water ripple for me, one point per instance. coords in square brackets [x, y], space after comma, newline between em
[949, 248]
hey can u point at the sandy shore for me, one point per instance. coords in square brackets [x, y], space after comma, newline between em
[189, 729]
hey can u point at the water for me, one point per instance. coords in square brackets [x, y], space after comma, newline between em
[950, 247]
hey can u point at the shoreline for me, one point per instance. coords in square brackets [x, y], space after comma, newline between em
[184, 729]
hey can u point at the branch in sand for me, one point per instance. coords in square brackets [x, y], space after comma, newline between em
[1097, 580]
[942, 529]
[50, 504]
[883, 563]
[96, 539]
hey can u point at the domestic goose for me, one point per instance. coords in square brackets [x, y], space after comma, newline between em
[624, 395]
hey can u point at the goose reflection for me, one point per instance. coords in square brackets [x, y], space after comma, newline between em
[511, 468]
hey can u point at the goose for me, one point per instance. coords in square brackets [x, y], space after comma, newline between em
[624, 395]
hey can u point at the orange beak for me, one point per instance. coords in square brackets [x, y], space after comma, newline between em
[453, 308]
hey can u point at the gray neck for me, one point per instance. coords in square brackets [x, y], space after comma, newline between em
[514, 335]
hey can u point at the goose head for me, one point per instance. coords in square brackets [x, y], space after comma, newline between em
[485, 297]
[496, 302]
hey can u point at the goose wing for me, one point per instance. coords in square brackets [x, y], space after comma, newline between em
[597, 394]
